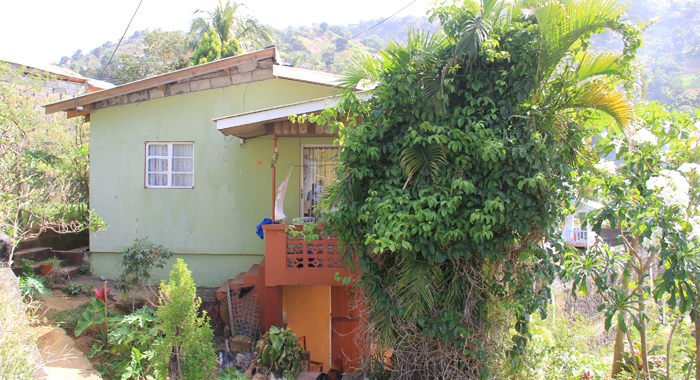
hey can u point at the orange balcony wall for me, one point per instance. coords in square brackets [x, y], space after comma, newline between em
[293, 261]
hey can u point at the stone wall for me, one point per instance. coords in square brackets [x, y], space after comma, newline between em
[51, 84]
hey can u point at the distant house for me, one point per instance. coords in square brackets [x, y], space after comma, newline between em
[184, 159]
[60, 82]
[574, 233]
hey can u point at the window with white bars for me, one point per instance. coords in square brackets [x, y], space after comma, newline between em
[170, 165]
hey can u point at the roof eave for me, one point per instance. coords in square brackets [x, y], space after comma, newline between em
[160, 80]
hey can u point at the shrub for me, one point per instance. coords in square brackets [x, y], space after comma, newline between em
[280, 352]
[74, 289]
[32, 288]
[139, 260]
[187, 337]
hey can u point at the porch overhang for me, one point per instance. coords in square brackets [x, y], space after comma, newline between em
[275, 120]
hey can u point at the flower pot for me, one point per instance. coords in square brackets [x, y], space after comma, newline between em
[45, 268]
[240, 345]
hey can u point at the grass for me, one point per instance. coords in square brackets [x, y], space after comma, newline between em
[18, 353]
[67, 318]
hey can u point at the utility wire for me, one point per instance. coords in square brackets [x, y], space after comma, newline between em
[364, 31]
[120, 41]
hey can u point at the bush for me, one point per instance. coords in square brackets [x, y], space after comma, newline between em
[186, 347]
[562, 348]
[32, 288]
[280, 352]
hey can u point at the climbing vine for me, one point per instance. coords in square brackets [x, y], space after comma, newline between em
[454, 182]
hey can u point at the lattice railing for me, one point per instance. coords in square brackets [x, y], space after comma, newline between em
[577, 236]
[321, 253]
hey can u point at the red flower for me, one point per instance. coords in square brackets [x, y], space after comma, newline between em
[102, 294]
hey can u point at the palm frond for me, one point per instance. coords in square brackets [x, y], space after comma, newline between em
[363, 73]
[563, 23]
[253, 35]
[418, 287]
[598, 95]
[591, 64]
[476, 31]
[418, 157]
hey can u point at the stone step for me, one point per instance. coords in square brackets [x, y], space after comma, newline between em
[73, 270]
[73, 257]
[36, 254]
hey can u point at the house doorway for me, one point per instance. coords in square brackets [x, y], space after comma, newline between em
[320, 170]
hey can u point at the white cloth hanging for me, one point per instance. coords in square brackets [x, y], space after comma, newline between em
[279, 202]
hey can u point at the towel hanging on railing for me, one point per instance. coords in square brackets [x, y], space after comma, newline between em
[279, 202]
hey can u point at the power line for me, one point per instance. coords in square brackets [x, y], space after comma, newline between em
[120, 41]
[380, 22]
[364, 31]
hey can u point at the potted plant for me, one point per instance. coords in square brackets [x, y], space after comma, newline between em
[240, 343]
[280, 352]
[48, 265]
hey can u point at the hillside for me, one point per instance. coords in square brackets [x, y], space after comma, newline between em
[318, 47]
[670, 57]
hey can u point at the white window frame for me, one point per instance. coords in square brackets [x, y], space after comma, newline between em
[170, 164]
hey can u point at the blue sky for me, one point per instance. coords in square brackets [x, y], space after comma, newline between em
[42, 31]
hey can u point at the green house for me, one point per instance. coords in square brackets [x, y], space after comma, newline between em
[163, 167]
[184, 159]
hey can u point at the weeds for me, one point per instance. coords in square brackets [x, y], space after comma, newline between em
[68, 318]
[18, 354]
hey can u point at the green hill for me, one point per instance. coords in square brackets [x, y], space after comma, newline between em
[670, 56]
[319, 47]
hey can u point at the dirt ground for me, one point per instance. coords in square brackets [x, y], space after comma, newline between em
[64, 357]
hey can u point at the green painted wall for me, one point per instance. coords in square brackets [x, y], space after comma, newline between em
[212, 226]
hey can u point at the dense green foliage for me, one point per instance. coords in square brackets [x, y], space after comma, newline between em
[280, 352]
[44, 162]
[653, 197]
[162, 52]
[185, 350]
[460, 171]
[210, 48]
[19, 335]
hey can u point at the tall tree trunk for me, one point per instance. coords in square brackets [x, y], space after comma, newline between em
[643, 337]
[642, 313]
[618, 349]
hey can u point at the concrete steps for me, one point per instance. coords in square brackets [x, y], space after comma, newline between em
[36, 254]
[69, 260]
[254, 276]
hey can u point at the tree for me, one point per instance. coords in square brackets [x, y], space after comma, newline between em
[163, 52]
[211, 49]
[185, 351]
[229, 25]
[454, 182]
[652, 199]
[44, 163]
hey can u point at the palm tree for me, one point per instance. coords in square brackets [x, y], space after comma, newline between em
[567, 78]
[229, 24]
